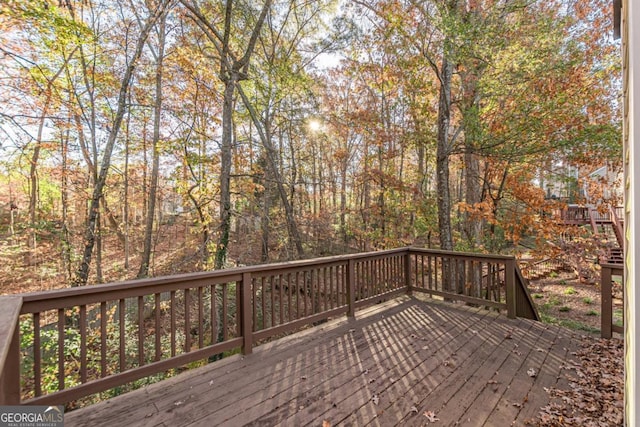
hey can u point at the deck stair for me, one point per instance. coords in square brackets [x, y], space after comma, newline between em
[608, 225]
[535, 270]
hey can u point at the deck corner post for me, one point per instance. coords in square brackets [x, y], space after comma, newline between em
[407, 272]
[510, 284]
[606, 311]
[10, 350]
[351, 288]
[246, 326]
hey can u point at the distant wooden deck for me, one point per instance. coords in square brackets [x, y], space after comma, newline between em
[386, 367]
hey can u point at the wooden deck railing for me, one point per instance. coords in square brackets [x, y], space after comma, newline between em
[607, 273]
[76, 342]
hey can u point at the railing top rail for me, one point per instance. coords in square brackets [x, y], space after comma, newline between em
[137, 287]
[455, 254]
[37, 301]
[618, 268]
[9, 311]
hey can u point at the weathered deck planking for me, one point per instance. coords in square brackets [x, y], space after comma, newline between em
[387, 366]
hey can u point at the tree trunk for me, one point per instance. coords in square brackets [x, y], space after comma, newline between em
[442, 155]
[225, 170]
[153, 185]
[292, 226]
[82, 274]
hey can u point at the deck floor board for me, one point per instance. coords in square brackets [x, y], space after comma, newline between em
[387, 366]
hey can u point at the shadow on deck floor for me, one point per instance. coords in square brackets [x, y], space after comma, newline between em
[388, 366]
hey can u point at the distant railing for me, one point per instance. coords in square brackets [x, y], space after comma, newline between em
[575, 215]
[587, 214]
[617, 216]
[538, 269]
[76, 342]
[607, 274]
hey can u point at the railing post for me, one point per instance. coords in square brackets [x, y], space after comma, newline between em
[510, 286]
[407, 272]
[606, 309]
[10, 350]
[246, 327]
[351, 288]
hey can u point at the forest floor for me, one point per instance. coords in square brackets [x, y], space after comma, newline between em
[596, 391]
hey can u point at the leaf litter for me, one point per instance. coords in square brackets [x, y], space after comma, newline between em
[594, 395]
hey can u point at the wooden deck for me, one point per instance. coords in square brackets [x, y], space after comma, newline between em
[386, 367]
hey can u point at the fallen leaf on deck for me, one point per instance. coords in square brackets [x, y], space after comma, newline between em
[375, 399]
[532, 373]
[595, 393]
[431, 416]
[492, 382]
[326, 423]
[414, 409]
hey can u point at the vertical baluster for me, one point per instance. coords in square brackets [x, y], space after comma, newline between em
[296, 291]
[122, 332]
[158, 335]
[304, 289]
[478, 276]
[382, 281]
[83, 344]
[141, 330]
[490, 282]
[340, 285]
[173, 323]
[378, 271]
[254, 303]
[273, 299]
[37, 354]
[214, 314]
[367, 267]
[312, 291]
[225, 318]
[333, 290]
[362, 280]
[385, 263]
[61, 349]
[374, 282]
[393, 276]
[239, 308]
[103, 339]
[289, 295]
[264, 304]
[324, 287]
[200, 316]
[187, 320]
[495, 284]
[281, 298]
